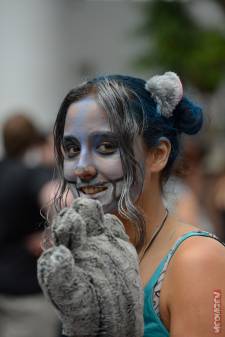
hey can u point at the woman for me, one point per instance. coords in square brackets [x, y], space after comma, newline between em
[116, 140]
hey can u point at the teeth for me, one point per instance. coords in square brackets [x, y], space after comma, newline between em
[92, 189]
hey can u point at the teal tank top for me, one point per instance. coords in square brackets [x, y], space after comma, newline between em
[153, 326]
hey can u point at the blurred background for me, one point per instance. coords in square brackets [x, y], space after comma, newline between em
[50, 46]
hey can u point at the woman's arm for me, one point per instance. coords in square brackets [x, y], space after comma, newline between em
[196, 289]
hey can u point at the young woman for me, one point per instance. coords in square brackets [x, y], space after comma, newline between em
[116, 139]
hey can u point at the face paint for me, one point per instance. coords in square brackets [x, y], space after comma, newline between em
[92, 164]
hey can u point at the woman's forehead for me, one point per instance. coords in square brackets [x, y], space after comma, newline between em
[86, 114]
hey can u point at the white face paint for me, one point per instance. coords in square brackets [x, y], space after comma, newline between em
[92, 164]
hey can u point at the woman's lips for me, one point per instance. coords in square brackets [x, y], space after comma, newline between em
[93, 189]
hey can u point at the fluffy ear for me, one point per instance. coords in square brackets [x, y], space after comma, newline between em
[158, 156]
[166, 90]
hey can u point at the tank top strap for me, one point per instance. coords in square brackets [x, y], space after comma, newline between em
[184, 237]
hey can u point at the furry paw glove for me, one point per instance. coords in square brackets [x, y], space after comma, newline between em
[91, 274]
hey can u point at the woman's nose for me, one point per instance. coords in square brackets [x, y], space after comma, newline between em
[85, 172]
[85, 168]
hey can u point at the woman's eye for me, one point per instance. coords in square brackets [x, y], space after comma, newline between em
[72, 151]
[107, 148]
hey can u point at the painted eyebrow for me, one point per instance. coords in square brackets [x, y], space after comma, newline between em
[67, 139]
[102, 134]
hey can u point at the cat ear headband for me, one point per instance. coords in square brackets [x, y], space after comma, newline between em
[166, 90]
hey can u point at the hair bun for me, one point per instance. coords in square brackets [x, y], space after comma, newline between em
[166, 90]
[188, 117]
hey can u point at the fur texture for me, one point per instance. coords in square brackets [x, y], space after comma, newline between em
[91, 274]
[166, 90]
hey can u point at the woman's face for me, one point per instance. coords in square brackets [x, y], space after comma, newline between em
[92, 164]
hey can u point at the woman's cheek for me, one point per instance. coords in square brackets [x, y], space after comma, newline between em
[68, 169]
[110, 167]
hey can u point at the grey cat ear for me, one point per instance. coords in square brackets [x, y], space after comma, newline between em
[166, 90]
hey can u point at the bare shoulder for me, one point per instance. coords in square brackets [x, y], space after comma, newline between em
[196, 271]
[197, 257]
[198, 250]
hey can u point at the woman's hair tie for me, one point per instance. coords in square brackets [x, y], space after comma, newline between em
[166, 91]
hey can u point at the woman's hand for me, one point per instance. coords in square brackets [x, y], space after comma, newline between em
[91, 274]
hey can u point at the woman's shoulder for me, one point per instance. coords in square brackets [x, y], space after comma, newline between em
[196, 244]
[199, 255]
[200, 246]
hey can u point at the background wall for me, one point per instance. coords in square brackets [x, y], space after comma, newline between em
[49, 46]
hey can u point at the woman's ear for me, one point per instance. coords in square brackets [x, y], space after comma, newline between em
[158, 156]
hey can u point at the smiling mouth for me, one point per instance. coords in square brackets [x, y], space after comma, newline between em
[92, 189]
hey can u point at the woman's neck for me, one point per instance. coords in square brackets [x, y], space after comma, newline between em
[151, 205]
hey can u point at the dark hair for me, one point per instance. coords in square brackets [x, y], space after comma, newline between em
[19, 134]
[131, 111]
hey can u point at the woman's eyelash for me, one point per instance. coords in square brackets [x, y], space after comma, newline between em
[107, 147]
[110, 144]
[71, 149]
[66, 144]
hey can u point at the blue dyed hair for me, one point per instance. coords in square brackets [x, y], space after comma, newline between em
[131, 112]
[187, 117]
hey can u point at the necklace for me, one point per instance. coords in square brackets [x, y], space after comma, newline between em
[154, 235]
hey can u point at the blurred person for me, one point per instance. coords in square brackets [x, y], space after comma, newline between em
[214, 165]
[23, 309]
[47, 151]
[219, 204]
[41, 153]
[186, 189]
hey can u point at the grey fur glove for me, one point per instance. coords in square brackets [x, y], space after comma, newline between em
[91, 274]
